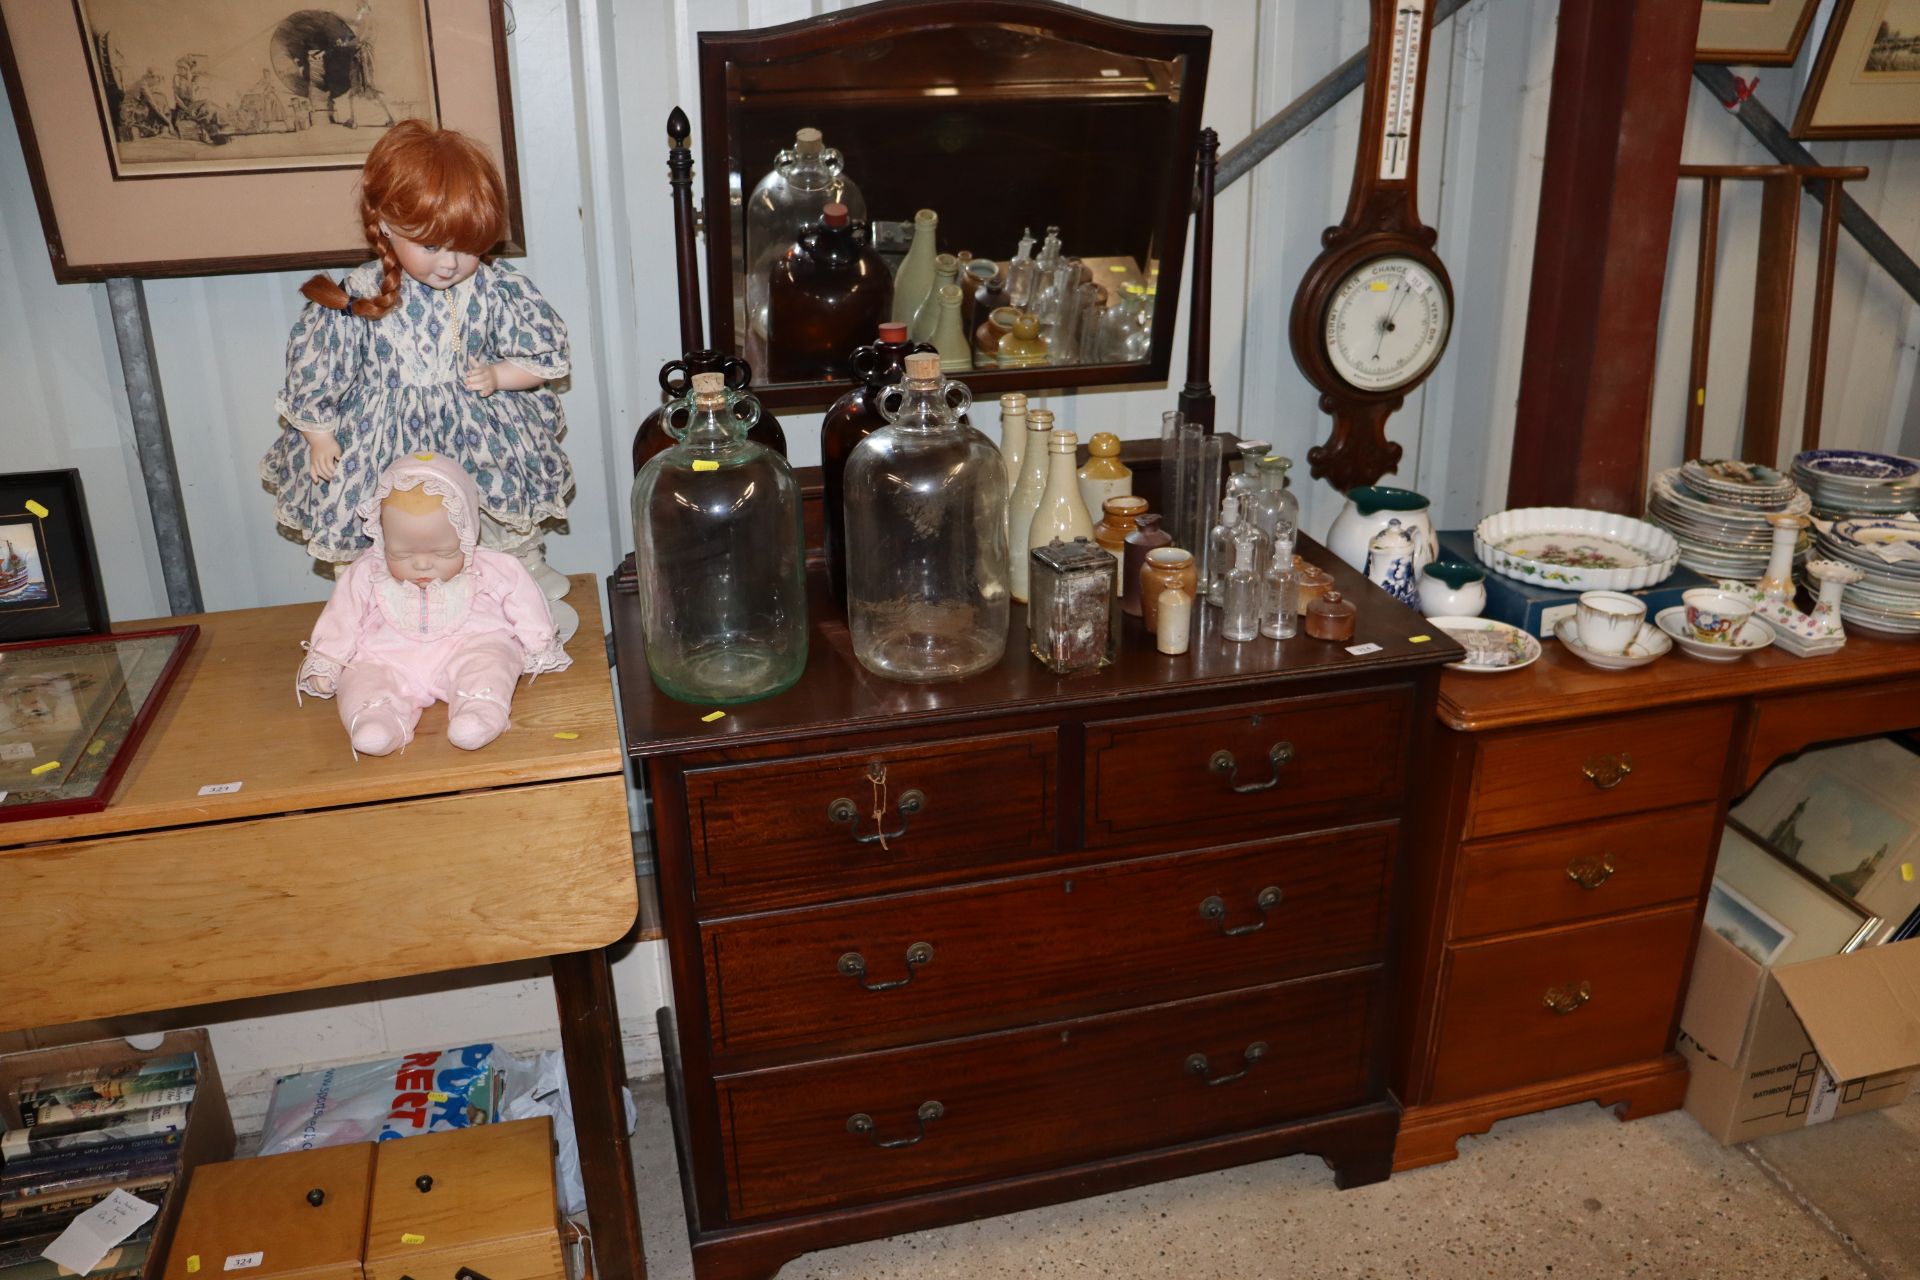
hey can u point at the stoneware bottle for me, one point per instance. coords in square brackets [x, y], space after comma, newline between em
[950, 335]
[1147, 536]
[1024, 347]
[1165, 568]
[1013, 434]
[1118, 518]
[1104, 476]
[1025, 499]
[926, 321]
[914, 280]
[1061, 513]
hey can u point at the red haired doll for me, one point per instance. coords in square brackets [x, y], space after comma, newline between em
[427, 349]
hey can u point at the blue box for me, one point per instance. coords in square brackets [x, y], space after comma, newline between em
[1535, 609]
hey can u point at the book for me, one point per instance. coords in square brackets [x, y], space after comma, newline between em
[58, 1161]
[45, 1115]
[36, 1216]
[109, 1128]
[112, 1173]
[98, 1090]
[166, 1064]
[124, 1259]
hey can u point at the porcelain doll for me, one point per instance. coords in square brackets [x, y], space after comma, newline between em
[427, 348]
[427, 615]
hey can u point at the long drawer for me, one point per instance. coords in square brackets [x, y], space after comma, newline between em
[1560, 1003]
[1569, 874]
[890, 1124]
[943, 962]
[1621, 764]
[1248, 772]
[805, 830]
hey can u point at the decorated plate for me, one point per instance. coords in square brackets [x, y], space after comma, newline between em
[1516, 648]
[1856, 464]
[1575, 549]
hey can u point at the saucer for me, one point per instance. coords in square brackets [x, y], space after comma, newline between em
[1522, 649]
[1650, 643]
[1754, 635]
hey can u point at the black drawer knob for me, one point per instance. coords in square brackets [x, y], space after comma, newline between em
[316, 1197]
[424, 1182]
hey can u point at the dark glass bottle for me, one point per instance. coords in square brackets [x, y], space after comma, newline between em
[825, 295]
[853, 417]
[676, 381]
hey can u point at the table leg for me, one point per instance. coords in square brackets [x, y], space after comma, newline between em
[596, 1072]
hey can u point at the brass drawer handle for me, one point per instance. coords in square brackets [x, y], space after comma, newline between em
[1214, 909]
[1223, 763]
[1197, 1065]
[1608, 772]
[1569, 998]
[862, 1123]
[854, 965]
[1591, 873]
[843, 812]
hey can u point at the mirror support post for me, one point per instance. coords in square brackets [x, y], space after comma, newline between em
[1196, 398]
[686, 247]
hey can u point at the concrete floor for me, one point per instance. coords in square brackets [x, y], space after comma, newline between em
[1568, 1193]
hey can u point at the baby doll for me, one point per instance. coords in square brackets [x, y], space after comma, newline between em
[425, 615]
[427, 349]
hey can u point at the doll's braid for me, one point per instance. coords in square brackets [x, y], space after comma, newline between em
[375, 307]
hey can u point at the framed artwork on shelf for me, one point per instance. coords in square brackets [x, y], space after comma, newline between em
[49, 574]
[1866, 79]
[1753, 32]
[196, 139]
[73, 712]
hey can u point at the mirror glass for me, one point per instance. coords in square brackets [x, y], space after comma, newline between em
[1042, 168]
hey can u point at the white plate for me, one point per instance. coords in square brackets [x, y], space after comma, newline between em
[1576, 549]
[1526, 647]
[1649, 644]
[1753, 636]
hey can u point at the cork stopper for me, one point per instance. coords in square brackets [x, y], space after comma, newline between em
[1062, 442]
[834, 215]
[924, 366]
[807, 142]
[1104, 444]
[893, 331]
[706, 384]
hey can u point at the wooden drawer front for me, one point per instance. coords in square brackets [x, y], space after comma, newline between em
[1623, 764]
[766, 833]
[1498, 1032]
[1042, 1097]
[1055, 945]
[1576, 873]
[480, 1199]
[1155, 777]
[261, 1206]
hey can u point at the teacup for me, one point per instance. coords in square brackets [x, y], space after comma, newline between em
[1716, 617]
[1607, 621]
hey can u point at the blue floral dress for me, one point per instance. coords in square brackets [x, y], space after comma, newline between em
[396, 385]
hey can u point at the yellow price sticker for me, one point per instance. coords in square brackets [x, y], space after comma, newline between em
[409, 1237]
[95, 747]
[711, 716]
[1418, 639]
[424, 457]
[567, 735]
[1906, 871]
[1116, 267]
[1699, 395]
[1377, 286]
[193, 1263]
[48, 767]
[36, 508]
[705, 464]
[437, 1096]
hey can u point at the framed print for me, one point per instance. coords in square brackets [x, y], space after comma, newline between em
[205, 136]
[73, 712]
[1759, 32]
[1815, 918]
[49, 574]
[1866, 81]
[1731, 915]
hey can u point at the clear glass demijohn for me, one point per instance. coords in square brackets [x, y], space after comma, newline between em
[720, 552]
[804, 180]
[926, 508]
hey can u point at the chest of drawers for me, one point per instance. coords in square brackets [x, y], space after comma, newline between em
[943, 952]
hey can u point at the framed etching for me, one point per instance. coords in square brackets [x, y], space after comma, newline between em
[211, 136]
[1866, 81]
[1758, 32]
[49, 571]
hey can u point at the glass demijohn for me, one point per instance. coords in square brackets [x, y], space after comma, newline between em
[720, 552]
[804, 180]
[926, 509]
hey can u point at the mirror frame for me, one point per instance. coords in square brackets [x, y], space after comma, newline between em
[888, 18]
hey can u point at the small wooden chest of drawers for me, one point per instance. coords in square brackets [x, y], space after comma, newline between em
[297, 1216]
[952, 951]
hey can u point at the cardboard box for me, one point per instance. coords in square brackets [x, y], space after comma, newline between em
[1777, 1049]
[209, 1132]
[1535, 609]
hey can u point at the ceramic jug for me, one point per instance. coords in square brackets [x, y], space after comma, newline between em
[1367, 512]
[1390, 563]
[1453, 589]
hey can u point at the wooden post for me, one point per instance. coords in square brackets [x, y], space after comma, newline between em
[1621, 73]
[1703, 314]
[1822, 316]
[1196, 398]
[1772, 314]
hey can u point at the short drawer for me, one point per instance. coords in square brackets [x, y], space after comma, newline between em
[1558, 1004]
[890, 971]
[466, 1203]
[1254, 771]
[1570, 874]
[885, 1125]
[1622, 764]
[804, 830]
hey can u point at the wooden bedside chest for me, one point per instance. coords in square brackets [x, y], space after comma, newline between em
[947, 951]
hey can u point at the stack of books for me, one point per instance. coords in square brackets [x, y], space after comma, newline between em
[83, 1134]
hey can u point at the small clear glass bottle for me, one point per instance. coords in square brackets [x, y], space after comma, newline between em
[1219, 558]
[1275, 511]
[927, 569]
[1280, 601]
[1240, 607]
[721, 557]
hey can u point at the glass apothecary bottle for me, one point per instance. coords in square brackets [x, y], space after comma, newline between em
[926, 506]
[720, 553]
[792, 197]
[854, 417]
[1274, 510]
[825, 296]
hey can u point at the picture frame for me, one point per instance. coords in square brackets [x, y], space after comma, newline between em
[197, 169]
[1735, 917]
[1865, 81]
[1817, 918]
[73, 713]
[49, 572]
[1753, 32]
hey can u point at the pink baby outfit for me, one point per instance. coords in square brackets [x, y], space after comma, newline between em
[394, 648]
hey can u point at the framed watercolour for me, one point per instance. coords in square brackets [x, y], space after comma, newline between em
[49, 574]
[1814, 918]
[228, 135]
[73, 712]
[1759, 32]
[1734, 917]
[1866, 81]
